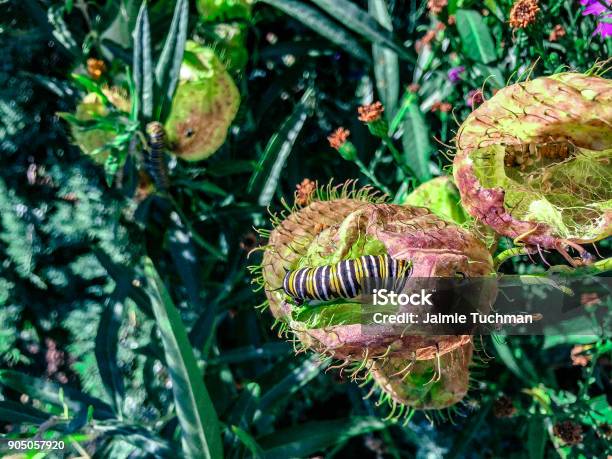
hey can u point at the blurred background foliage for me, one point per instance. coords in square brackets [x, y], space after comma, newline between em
[91, 343]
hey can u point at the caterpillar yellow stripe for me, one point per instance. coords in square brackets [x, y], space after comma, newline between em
[341, 280]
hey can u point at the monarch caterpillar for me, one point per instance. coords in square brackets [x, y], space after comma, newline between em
[154, 157]
[343, 279]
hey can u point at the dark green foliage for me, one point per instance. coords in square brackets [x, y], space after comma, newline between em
[163, 358]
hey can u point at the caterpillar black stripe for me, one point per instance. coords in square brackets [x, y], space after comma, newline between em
[155, 163]
[341, 280]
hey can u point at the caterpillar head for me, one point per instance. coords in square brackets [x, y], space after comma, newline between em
[204, 105]
[533, 162]
[351, 225]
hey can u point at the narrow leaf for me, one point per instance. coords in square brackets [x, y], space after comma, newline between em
[290, 384]
[306, 439]
[386, 61]
[248, 441]
[19, 413]
[142, 64]
[415, 141]
[49, 392]
[107, 339]
[201, 436]
[317, 21]
[536, 438]
[471, 428]
[475, 36]
[169, 63]
[362, 23]
[266, 176]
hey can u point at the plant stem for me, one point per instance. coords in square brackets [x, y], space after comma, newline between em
[365, 171]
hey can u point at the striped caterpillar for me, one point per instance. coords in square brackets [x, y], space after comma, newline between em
[155, 163]
[341, 280]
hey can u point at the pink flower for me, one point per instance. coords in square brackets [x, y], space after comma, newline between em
[603, 13]
[454, 74]
[593, 7]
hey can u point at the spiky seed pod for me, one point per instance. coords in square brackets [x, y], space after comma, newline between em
[441, 196]
[431, 384]
[204, 106]
[351, 225]
[533, 162]
[91, 106]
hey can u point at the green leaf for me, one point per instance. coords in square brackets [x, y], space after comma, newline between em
[504, 352]
[92, 86]
[415, 142]
[290, 384]
[201, 436]
[19, 413]
[321, 24]
[265, 178]
[386, 62]
[306, 439]
[244, 408]
[111, 166]
[471, 428]
[169, 65]
[248, 441]
[106, 342]
[536, 438]
[249, 353]
[49, 392]
[475, 36]
[361, 22]
[140, 437]
[142, 65]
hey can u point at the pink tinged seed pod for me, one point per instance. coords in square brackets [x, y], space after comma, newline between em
[351, 224]
[533, 162]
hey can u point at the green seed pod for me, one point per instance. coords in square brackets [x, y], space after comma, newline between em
[533, 162]
[350, 225]
[92, 107]
[204, 106]
[224, 10]
[441, 197]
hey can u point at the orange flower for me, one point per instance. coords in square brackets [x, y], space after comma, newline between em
[429, 36]
[523, 13]
[436, 6]
[578, 358]
[95, 68]
[338, 138]
[370, 113]
[304, 191]
[452, 20]
[443, 107]
[556, 33]
[414, 87]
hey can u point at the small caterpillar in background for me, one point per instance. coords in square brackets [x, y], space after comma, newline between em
[343, 279]
[155, 163]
